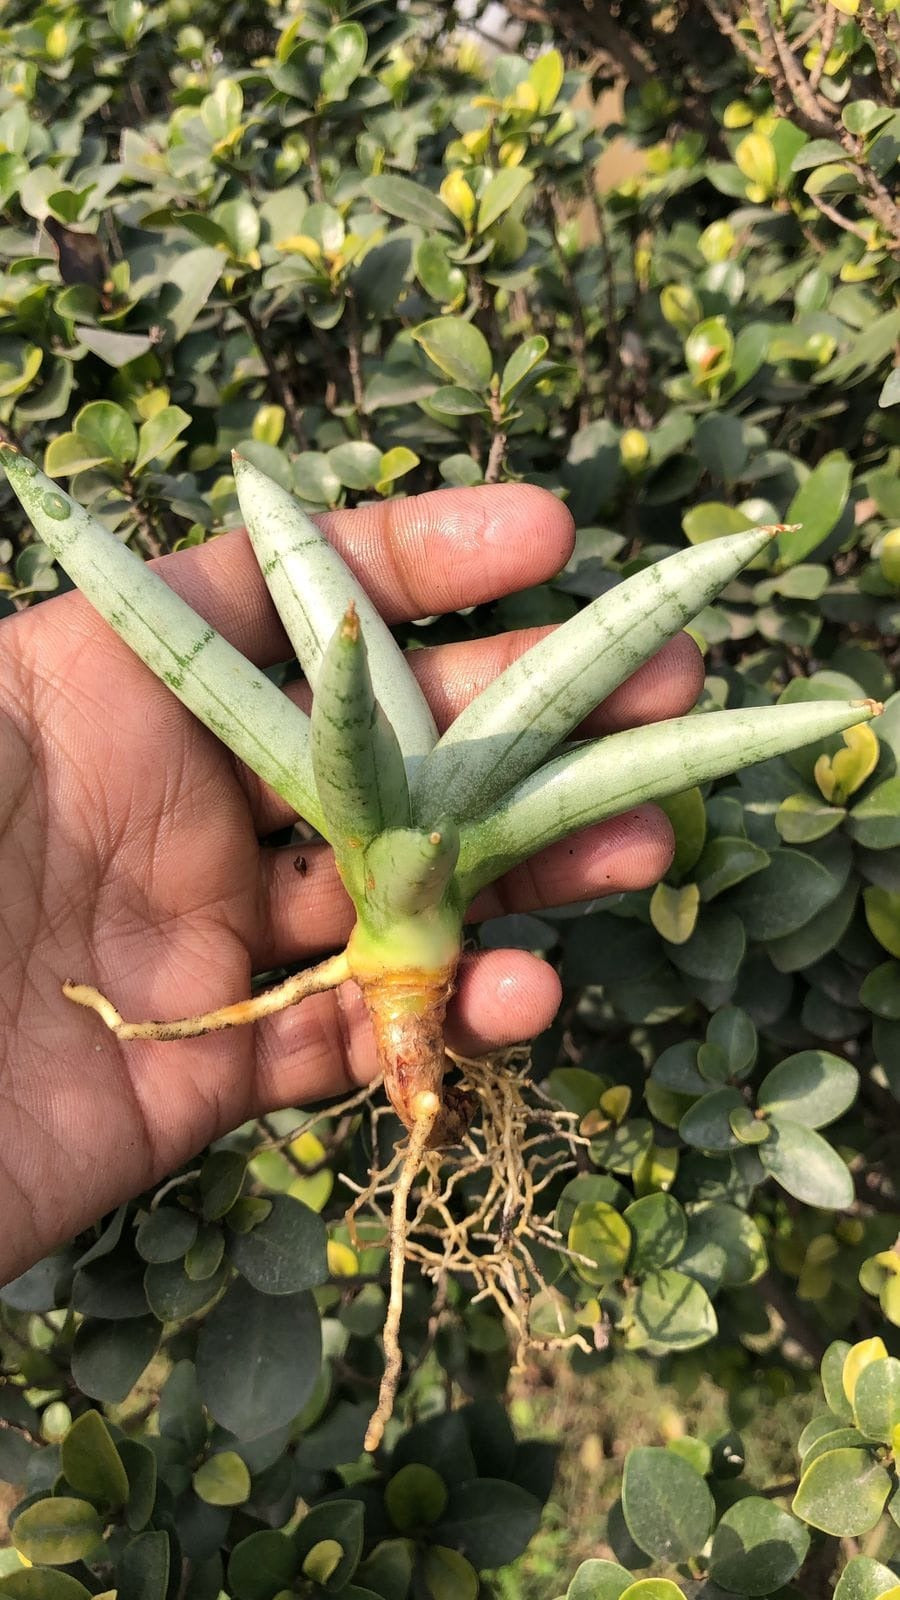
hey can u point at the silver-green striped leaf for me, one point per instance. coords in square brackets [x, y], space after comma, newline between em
[224, 690]
[526, 713]
[312, 588]
[408, 870]
[606, 776]
[357, 761]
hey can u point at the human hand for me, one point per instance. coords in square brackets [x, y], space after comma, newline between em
[131, 859]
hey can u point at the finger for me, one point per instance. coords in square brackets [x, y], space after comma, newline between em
[325, 1047]
[307, 910]
[429, 553]
[665, 686]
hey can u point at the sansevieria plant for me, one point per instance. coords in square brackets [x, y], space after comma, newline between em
[418, 823]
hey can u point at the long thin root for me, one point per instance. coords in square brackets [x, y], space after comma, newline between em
[427, 1109]
[327, 975]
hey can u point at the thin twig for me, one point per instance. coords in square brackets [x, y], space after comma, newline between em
[354, 362]
[837, 217]
[829, 28]
[281, 389]
[497, 454]
[733, 33]
[609, 295]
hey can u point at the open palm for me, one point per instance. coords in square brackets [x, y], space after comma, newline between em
[130, 858]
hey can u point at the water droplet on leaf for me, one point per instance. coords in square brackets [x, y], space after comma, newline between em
[56, 506]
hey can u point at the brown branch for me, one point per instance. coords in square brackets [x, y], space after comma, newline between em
[828, 32]
[312, 133]
[551, 210]
[796, 98]
[354, 363]
[782, 1300]
[497, 455]
[593, 26]
[731, 31]
[837, 217]
[278, 383]
[609, 295]
[152, 545]
[883, 49]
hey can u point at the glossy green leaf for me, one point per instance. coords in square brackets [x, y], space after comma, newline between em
[707, 1124]
[659, 1229]
[806, 1166]
[109, 1357]
[883, 916]
[42, 1583]
[813, 1087]
[600, 1234]
[220, 1182]
[490, 1521]
[165, 1234]
[412, 202]
[669, 1311]
[58, 1531]
[438, 275]
[668, 1507]
[262, 1565]
[784, 895]
[802, 818]
[91, 1463]
[875, 820]
[843, 1493]
[731, 1030]
[724, 1246]
[108, 431]
[817, 506]
[499, 193]
[673, 912]
[222, 1480]
[876, 1399]
[653, 1589]
[598, 1580]
[142, 1570]
[415, 1497]
[521, 363]
[459, 349]
[258, 1359]
[880, 991]
[757, 1547]
[346, 47]
[447, 1575]
[866, 1579]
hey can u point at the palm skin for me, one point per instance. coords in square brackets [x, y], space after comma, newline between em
[130, 858]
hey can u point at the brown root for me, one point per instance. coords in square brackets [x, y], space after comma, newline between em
[427, 1110]
[523, 1142]
[314, 980]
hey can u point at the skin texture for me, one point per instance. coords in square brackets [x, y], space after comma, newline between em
[130, 858]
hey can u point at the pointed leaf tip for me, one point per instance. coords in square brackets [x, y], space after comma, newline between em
[350, 624]
[873, 707]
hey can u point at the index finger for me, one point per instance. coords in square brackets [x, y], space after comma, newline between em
[430, 553]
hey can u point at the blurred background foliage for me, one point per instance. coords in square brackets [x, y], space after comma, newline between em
[645, 256]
